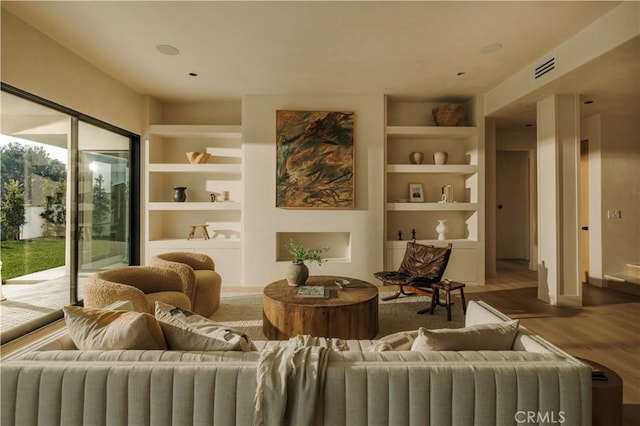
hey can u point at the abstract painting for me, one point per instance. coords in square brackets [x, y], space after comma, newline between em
[315, 167]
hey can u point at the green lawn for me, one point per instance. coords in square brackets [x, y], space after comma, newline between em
[28, 256]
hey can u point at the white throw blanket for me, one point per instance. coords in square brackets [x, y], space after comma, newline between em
[291, 380]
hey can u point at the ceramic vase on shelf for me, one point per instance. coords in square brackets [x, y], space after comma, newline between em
[416, 157]
[440, 157]
[179, 194]
[442, 229]
[297, 274]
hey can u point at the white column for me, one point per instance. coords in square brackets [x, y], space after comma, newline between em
[558, 200]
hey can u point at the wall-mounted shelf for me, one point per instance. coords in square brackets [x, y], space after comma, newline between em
[195, 168]
[431, 132]
[410, 128]
[432, 207]
[167, 166]
[196, 130]
[461, 169]
[187, 206]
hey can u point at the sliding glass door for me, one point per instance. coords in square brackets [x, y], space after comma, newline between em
[103, 199]
[67, 185]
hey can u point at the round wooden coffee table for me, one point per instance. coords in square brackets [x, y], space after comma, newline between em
[348, 313]
[606, 395]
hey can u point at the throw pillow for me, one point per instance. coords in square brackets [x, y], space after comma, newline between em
[187, 331]
[101, 329]
[400, 341]
[481, 337]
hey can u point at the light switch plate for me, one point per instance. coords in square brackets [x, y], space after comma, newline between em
[614, 214]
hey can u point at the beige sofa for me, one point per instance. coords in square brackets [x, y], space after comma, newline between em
[51, 383]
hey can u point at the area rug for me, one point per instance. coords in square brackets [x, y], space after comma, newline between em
[244, 313]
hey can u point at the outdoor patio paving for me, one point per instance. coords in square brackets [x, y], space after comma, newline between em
[30, 297]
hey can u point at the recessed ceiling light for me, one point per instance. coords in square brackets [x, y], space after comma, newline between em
[166, 49]
[193, 74]
[491, 48]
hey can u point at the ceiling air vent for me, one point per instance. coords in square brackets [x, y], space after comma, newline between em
[544, 68]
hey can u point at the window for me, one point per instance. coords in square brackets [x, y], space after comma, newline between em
[69, 189]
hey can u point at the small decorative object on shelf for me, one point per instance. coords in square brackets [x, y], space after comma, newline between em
[440, 157]
[225, 195]
[449, 114]
[192, 231]
[416, 157]
[416, 194]
[198, 157]
[399, 235]
[442, 229]
[447, 194]
[298, 271]
[213, 197]
[413, 234]
[179, 194]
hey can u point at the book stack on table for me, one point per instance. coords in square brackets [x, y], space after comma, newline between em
[315, 291]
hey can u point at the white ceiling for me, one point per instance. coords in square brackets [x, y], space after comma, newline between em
[403, 49]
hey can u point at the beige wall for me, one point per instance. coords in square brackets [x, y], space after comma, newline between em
[262, 220]
[614, 184]
[36, 64]
[620, 180]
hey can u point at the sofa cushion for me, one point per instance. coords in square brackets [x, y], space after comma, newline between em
[103, 329]
[187, 331]
[400, 341]
[489, 337]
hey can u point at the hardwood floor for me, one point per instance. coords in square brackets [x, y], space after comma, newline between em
[606, 329]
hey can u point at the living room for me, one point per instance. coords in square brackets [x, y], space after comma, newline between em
[37, 59]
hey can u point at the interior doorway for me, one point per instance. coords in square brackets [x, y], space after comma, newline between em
[584, 211]
[513, 205]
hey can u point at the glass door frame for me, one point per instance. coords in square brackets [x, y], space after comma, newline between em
[73, 182]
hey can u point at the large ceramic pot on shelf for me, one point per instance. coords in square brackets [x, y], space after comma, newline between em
[449, 115]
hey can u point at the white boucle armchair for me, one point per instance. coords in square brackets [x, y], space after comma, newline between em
[201, 281]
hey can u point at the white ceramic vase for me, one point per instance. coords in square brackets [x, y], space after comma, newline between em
[440, 157]
[442, 229]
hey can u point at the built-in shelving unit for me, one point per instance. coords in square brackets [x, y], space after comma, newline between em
[168, 221]
[410, 128]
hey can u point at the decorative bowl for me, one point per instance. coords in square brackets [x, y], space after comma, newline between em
[449, 114]
[342, 283]
[198, 157]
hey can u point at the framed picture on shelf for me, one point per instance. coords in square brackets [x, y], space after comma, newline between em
[416, 193]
